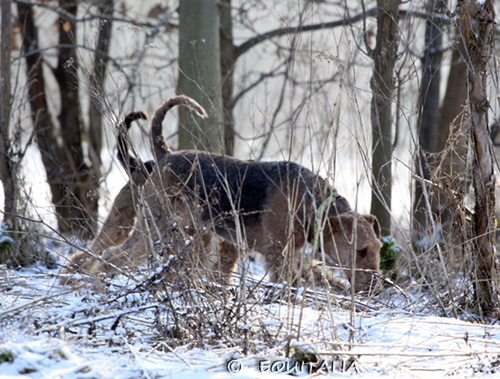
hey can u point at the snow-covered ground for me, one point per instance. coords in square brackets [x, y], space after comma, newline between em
[124, 331]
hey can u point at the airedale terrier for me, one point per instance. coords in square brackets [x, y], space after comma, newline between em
[275, 208]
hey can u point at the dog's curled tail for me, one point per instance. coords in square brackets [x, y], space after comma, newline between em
[124, 157]
[160, 146]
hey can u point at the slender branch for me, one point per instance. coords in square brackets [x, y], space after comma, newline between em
[149, 36]
[261, 78]
[365, 33]
[30, 304]
[247, 45]
[68, 17]
[115, 63]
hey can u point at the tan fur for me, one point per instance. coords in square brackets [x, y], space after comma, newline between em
[170, 221]
[123, 215]
[117, 227]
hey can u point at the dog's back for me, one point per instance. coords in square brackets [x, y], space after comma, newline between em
[227, 186]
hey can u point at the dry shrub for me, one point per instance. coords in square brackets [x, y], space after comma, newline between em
[442, 259]
[199, 305]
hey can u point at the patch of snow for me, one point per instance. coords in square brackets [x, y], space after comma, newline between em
[6, 240]
[48, 330]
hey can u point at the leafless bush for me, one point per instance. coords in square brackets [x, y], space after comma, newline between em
[441, 260]
[320, 121]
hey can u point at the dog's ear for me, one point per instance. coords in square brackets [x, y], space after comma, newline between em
[342, 223]
[376, 225]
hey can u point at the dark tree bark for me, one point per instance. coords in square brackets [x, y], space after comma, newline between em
[476, 22]
[74, 190]
[382, 84]
[18, 246]
[455, 95]
[228, 60]
[428, 130]
[52, 154]
[97, 80]
[7, 166]
[82, 185]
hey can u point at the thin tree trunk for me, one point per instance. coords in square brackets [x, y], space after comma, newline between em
[83, 187]
[382, 85]
[228, 60]
[97, 91]
[455, 95]
[451, 123]
[66, 173]
[429, 133]
[200, 74]
[7, 167]
[52, 154]
[476, 23]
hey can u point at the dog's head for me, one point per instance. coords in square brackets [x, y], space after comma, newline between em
[344, 246]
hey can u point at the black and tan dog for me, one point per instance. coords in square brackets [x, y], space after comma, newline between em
[274, 208]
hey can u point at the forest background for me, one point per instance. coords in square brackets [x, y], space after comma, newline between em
[388, 101]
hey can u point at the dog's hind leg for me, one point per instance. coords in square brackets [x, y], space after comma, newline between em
[227, 259]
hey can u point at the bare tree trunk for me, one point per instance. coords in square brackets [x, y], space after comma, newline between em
[228, 60]
[476, 25]
[455, 95]
[72, 188]
[6, 165]
[382, 85]
[429, 133]
[19, 245]
[97, 92]
[7, 169]
[200, 74]
[52, 154]
[83, 187]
